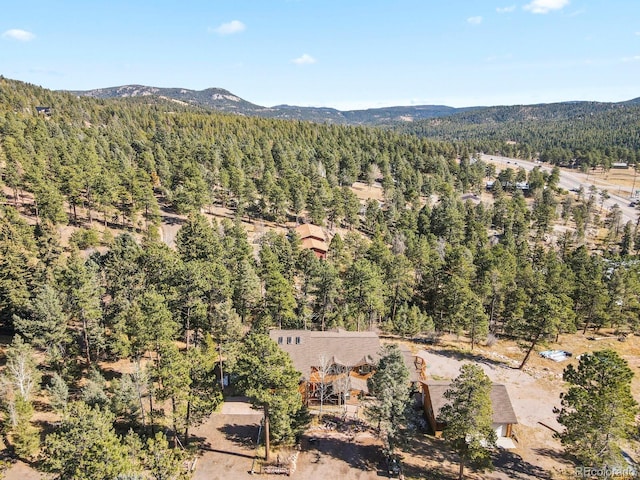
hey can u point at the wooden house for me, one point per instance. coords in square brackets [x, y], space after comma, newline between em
[503, 415]
[313, 238]
[335, 365]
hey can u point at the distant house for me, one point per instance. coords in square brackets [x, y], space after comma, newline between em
[503, 415]
[313, 238]
[621, 165]
[335, 364]
[44, 111]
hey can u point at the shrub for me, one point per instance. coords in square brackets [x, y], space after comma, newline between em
[85, 238]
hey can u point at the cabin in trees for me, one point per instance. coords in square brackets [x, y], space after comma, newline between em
[335, 365]
[503, 415]
[313, 238]
[46, 111]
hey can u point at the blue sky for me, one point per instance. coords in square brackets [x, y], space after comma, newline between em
[337, 53]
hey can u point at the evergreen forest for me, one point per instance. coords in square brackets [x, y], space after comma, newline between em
[576, 134]
[87, 281]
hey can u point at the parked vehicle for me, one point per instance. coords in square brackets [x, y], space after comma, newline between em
[394, 470]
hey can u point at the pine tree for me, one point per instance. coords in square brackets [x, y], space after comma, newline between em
[246, 289]
[163, 463]
[83, 294]
[205, 394]
[226, 331]
[197, 239]
[468, 416]
[16, 265]
[172, 376]
[58, 391]
[19, 383]
[598, 410]
[46, 327]
[85, 446]
[363, 287]
[390, 385]
[265, 373]
[325, 289]
[544, 312]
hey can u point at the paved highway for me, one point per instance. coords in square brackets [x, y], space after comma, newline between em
[573, 180]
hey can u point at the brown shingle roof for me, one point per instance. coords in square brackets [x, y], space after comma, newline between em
[315, 244]
[307, 230]
[500, 401]
[307, 347]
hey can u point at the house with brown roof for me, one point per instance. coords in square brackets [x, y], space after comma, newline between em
[503, 416]
[335, 364]
[313, 238]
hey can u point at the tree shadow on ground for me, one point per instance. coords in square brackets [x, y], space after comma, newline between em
[515, 467]
[366, 457]
[243, 435]
[430, 447]
[169, 220]
[556, 454]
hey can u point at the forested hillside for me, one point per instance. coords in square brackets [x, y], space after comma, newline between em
[586, 134]
[579, 134]
[420, 262]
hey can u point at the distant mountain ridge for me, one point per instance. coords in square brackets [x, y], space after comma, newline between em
[219, 99]
[214, 98]
[223, 100]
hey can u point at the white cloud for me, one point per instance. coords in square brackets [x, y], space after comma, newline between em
[635, 58]
[509, 9]
[545, 6]
[305, 59]
[474, 20]
[637, 34]
[17, 34]
[234, 26]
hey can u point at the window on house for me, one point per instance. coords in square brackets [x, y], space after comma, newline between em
[288, 340]
[298, 340]
[279, 340]
[364, 369]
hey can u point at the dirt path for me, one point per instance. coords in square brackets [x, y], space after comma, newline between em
[22, 471]
[228, 447]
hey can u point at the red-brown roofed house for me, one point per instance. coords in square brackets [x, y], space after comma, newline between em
[313, 238]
